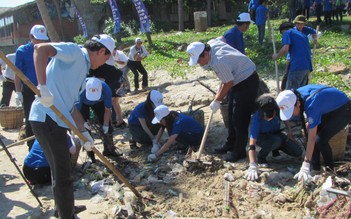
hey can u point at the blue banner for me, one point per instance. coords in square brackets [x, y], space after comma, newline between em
[143, 16]
[116, 15]
[82, 23]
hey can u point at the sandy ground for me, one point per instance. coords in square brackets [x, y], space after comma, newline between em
[171, 188]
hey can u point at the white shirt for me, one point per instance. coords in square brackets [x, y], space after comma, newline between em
[133, 50]
[8, 73]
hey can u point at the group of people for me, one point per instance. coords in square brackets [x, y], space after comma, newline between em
[95, 84]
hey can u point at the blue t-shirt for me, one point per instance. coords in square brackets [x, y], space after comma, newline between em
[299, 50]
[106, 96]
[25, 62]
[321, 103]
[186, 124]
[261, 14]
[138, 112]
[307, 30]
[253, 5]
[260, 126]
[235, 38]
[318, 2]
[36, 157]
[328, 5]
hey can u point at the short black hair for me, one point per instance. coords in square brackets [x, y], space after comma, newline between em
[207, 48]
[266, 105]
[285, 26]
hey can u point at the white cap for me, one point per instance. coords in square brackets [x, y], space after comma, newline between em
[39, 32]
[160, 112]
[286, 101]
[93, 89]
[108, 42]
[194, 50]
[244, 17]
[137, 40]
[156, 97]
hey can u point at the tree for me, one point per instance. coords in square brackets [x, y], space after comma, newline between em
[180, 15]
[54, 37]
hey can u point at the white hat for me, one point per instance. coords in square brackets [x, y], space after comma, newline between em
[286, 101]
[39, 32]
[108, 42]
[156, 97]
[244, 17]
[194, 50]
[93, 89]
[160, 112]
[138, 40]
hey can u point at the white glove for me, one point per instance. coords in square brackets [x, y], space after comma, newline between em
[87, 126]
[304, 172]
[88, 145]
[105, 128]
[155, 148]
[215, 105]
[19, 98]
[252, 172]
[46, 98]
[151, 157]
[2, 78]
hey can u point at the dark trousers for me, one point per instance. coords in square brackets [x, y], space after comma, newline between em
[327, 17]
[306, 11]
[7, 88]
[331, 124]
[37, 175]
[277, 141]
[53, 140]
[240, 107]
[261, 30]
[140, 136]
[136, 67]
[190, 140]
[28, 98]
[338, 13]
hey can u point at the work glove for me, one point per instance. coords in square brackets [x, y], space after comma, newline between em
[2, 78]
[151, 157]
[88, 145]
[46, 98]
[105, 128]
[87, 126]
[19, 98]
[304, 172]
[155, 148]
[215, 105]
[252, 172]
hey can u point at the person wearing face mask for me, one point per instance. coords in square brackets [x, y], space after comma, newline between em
[265, 132]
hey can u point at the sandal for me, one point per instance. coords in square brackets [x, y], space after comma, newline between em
[122, 125]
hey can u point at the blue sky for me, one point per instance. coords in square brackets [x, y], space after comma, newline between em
[13, 3]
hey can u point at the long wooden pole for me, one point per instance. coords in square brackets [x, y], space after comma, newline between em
[19, 142]
[315, 47]
[274, 51]
[68, 123]
[204, 137]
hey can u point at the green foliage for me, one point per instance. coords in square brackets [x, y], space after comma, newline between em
[79, 39]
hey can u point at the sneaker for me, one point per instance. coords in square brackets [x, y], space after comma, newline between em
[234, 156]
[275, 153]
[133, 144]
[224, 149]
[121, 126]
[112, 153]
[262, 162]
[144, 88]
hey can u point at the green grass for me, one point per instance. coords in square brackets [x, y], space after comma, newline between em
[333, 48]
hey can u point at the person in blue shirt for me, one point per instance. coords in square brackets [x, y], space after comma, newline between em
[261, 17]
[36, 168]
[60, 83]
[265, 132]
[180, 127]
[139, 121]
[235, 36]
[300, 25]
[296, 44]
[97, 96]
[317, 5]
[327, 110]
[253, 4]
[25, 62]
[328, 9]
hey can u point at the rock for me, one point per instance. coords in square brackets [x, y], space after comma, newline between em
[337, 68]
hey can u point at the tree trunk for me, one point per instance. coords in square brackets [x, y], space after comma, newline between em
[92, 14]
[209, 13]
[180, 15]
[58, 11]
[148, 36]
[47, 21]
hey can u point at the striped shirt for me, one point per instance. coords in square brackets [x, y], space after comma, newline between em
[228, 63]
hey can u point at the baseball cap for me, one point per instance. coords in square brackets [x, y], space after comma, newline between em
[300, 19]
[194, 50]
[108, 42]
[137, 40]
[156, 97]
[39, 32]
[286, 101]
[93, 89]
[160, 112]
[244, 17]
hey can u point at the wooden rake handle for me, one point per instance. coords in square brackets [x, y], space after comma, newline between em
[204, 137]
[25, 80]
